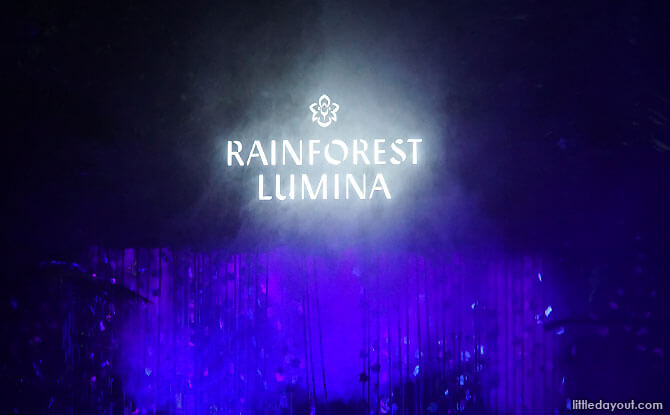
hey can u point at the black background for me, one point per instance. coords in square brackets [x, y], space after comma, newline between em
[558, 123]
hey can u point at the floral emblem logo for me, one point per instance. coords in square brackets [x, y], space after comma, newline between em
[324, 112]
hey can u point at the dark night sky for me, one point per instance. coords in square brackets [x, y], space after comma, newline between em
[559, 115]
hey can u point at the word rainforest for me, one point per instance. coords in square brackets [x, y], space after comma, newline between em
[340, 183]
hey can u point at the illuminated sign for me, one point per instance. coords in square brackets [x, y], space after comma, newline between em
[347, 164]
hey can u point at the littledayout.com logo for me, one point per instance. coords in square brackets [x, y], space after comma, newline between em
[347, 165]
[587, 405]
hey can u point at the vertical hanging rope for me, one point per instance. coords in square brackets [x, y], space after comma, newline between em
[309, 334]
[158, 322]
[378, 334]
[389, 347]
[443, 314]
[367, 330]
[265, 313]
[390, 354]
[318, 319]
[255, 330]
[400, 376]
[363, 346]
[305, 342]
[419, 376]
[407, 336]
[428, 360]
[247, 328]
[235, 338]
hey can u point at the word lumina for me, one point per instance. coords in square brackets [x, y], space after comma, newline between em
[336, 153]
